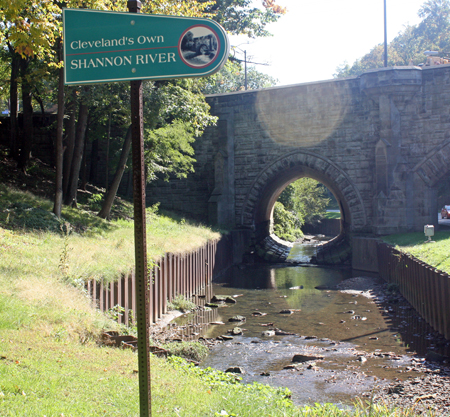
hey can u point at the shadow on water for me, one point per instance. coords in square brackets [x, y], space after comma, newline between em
[340, 326]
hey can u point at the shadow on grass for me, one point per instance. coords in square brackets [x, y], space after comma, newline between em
[23, 210]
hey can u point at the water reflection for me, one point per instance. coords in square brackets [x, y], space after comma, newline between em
[302, 252]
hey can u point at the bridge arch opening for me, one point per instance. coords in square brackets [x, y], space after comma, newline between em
[304, 208]
[257, 212]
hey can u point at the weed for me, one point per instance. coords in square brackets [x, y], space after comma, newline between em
[94, 202]
[181, 303]
[392, 288]
[115, 312]
[195, 351]
[64, 256]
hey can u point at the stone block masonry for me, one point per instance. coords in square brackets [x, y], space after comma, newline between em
[380, 142]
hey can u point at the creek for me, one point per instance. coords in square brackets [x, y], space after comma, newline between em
[363, 338]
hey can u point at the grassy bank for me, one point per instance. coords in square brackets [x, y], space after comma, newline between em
[51, 361]
[435, 254]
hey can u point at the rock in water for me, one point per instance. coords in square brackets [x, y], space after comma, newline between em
[235, 370]
[237, 318]
[235, 331]
[306, 358]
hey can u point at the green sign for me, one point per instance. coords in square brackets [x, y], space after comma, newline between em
[110, 46]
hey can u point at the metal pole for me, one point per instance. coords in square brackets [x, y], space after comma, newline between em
[245, 65]
[385, 38]
[140, 241]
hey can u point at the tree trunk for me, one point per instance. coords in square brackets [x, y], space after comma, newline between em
[93, 169]
[83, 174]
[71, 198]
[130, 185]
[38, 98]
[27, 110]
[13, 96]
[70, 142]
[108, 138]
[59, 142]
[111, 194]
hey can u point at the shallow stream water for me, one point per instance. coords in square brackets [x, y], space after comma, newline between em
[343, 327]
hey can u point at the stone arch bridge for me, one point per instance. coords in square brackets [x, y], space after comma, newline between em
[380, 142]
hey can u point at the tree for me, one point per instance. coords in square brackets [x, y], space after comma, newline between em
[432, 33]
[285, 223]
[110, 195]
[175, 114]
[28, 33]
[232, 78]
[305, 199]
[241, 17]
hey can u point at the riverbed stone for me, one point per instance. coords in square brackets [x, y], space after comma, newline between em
[235, 370]
[235, 331]
[290, 366]
[237, 318]
[279, 332]
[306, 358]
[219, 298]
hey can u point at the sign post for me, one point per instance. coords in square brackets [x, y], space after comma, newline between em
[140, 240]
[110, 46]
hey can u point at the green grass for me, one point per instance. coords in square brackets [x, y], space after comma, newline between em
[332, 215]
[435, 254]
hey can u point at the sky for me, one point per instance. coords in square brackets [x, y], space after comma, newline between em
[314, 37]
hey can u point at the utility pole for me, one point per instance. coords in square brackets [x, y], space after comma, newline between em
[245, 69]
[385, 38]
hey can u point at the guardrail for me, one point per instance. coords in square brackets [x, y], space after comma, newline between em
[174, 274]
[426, 288]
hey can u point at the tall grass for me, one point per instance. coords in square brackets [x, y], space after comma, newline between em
[45, 261]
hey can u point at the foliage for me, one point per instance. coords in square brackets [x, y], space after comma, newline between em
[214, 378]
[408, 47]
[232, 78]
[168, 149]
[303, 201]
[306, 198]
[194, 351]
[181, 303]
[285, 224]
[242, 17]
